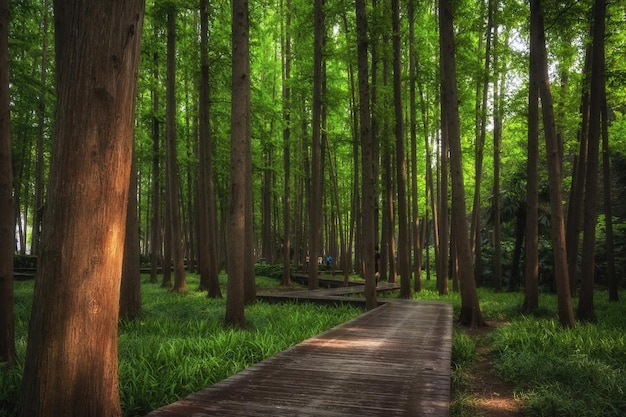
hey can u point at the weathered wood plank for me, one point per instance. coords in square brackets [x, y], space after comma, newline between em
[391, 361]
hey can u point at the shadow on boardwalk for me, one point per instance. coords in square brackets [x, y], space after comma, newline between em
[391, 361]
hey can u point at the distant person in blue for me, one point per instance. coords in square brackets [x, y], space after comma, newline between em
[329, 262]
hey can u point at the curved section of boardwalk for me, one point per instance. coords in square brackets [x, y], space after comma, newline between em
[392, 361]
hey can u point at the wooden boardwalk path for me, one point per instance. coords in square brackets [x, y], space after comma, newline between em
[391, 361]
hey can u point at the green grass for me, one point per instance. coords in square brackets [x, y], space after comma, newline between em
[179, 345]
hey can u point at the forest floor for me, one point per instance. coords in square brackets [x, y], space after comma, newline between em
[493, 397]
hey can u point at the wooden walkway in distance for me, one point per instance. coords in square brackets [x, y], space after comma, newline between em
[391, 361]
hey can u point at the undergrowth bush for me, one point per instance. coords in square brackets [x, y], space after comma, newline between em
[575, 372]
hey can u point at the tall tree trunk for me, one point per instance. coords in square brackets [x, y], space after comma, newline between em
[585, 301]
[315, 213]
[404, 261]
[7, 230]
[155, 243]
[78, 275]
[497, 139]
[443, 224]
[180, 283]
[531, 290]
[207, 216]
[470, 308]
[415, 229]
[249, 284]
[566, 315]
[239, 145]
[481, 128]
[286, 277]
[367, 161]
[612, 278]
[577, 192]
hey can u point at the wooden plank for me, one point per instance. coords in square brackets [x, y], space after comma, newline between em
[391, 361]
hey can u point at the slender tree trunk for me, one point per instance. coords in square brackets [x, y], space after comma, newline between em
[417, 238]
[481, 116]
[74, 373]
[207, 218]
[315, 213]
[585, 310]
[404, 261]
[249, 284]
[612, 278]
[7, 229]
[443, 207]
[180, 283]
[130, 292]
[577, 192]
[155, 245]
[367, 161]
[235, 315]
[470, 308]
[531, 291]
[497, 139]
[566, 315]
[286, 277]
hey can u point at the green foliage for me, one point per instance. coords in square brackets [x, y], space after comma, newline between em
[566, 372]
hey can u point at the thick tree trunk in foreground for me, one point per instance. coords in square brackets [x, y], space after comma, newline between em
[71, 359]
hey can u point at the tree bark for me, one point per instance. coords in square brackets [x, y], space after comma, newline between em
[585, 301]
[71, 359]
[286, 276]
[7, 230]
[481, 133]
[156, 249]
[367, 161]
[470, 307]
[557, 225]
[404, 261]
[235, 315]
[315, 213]
[178, 256]
[207, 216]
[415, 224]
[577, 191]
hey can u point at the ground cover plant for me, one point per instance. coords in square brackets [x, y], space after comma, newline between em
[179, 346]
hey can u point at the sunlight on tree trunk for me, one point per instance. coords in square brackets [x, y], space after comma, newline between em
[71, 360]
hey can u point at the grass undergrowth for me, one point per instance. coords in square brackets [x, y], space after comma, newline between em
[179, 345]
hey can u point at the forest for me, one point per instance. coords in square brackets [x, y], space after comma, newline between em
[480, 145]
